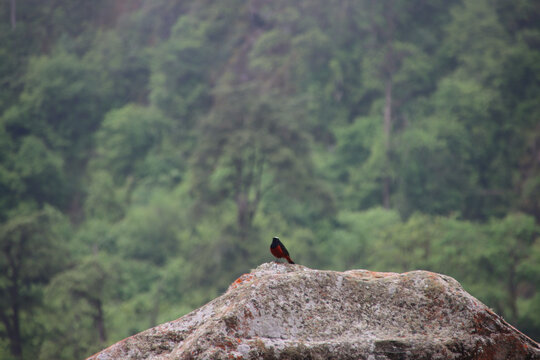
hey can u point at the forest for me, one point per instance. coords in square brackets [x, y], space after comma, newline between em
[151, 149]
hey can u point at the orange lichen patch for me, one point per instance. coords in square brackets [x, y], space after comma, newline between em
[226, 344]
[241, 280]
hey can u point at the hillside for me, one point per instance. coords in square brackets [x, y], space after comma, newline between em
[151, 149]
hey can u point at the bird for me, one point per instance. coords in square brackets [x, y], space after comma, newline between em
[279, 250]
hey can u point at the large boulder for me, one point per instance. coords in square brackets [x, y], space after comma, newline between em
[282, 311]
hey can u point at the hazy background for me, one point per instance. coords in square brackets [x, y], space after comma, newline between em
[150, 150]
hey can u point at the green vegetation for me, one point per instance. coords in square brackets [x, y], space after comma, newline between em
[150, 149]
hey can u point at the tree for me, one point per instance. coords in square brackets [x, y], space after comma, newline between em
[31, 252]
[251, 146]
[396, 71]
[60, 107]
[509, 245]
[434, 176]
[77, 298]
[478, 51]
[128, 139]
[12, 16]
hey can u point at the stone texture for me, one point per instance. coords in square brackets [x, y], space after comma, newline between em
[282, 311]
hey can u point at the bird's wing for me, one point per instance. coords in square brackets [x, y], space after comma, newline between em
[283, 248]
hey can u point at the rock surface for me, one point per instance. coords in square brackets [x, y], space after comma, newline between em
[281, 311]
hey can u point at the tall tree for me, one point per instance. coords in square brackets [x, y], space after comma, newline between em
[60, 107]
[510, 245]
[396, 71]
[252, 142]
[12, 14]
[30, 254]
[77, 298]
[250, 146]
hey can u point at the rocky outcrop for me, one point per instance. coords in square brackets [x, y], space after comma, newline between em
[282, 311]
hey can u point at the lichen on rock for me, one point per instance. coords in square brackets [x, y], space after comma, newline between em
[282, 311]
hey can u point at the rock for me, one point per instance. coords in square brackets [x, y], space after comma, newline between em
[282, 311]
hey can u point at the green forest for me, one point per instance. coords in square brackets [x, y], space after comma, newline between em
[151, 149]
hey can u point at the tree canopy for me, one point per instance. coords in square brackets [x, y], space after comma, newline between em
[151, 149]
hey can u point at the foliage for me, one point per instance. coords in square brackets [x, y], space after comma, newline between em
[179, 137]
[32, 251]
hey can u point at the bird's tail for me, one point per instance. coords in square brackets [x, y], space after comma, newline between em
[289, 259]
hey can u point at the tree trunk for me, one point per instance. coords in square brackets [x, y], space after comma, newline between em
[99, 321]
[12, 15]
[245, 213]
[12, 325]
[155, 310]
[242, 214]
[387, 133]
[12, 321]
[387, 72]
[512, 289]
[248, 192]
[15, 336]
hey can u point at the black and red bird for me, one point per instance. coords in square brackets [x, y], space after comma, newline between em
[279, 250]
